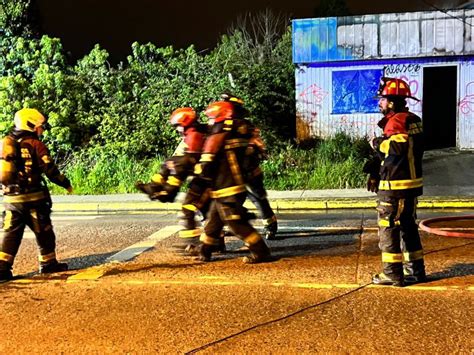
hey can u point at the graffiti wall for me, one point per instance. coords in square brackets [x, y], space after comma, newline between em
[342, 98]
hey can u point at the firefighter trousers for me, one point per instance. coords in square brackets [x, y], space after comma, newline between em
[400, 244]
[258, 195]
[35, 215]
[231, 212]
[197, 200]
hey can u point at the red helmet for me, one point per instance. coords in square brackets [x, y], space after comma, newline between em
[219, 111]
[394, 87]
[183, 117]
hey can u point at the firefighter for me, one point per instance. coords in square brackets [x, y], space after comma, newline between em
[398, 181]
[221, 164]
[174, 172]
[255, 188]
[26, 199]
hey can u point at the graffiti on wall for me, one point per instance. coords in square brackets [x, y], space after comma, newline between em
[466, 104]
[349, 125]
[415, 89]
[353, 91]
[393, 70]
[313, 93]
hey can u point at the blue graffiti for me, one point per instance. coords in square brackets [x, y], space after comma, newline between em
[353, 91]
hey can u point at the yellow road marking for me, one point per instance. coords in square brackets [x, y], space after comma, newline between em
[94, 273]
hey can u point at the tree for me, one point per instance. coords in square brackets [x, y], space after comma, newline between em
[19, 18]
[329, 8]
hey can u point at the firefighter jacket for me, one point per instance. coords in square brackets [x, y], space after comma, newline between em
[401, 153]
[176, 169]
[224, 157]
[32, 161]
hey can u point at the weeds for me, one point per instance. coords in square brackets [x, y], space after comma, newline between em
[334, 163]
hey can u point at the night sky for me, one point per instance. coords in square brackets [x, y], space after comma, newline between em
[116, 24]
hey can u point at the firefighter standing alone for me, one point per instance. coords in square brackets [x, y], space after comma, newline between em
[26, 199]
[398, 182]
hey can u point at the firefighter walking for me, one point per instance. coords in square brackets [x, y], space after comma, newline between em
[256, 191]
[221, 163]
[26, 199]
[398, 182]
[175, 170]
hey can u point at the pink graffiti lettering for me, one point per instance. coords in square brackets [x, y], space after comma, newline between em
[415, 106]
[466, 104]
[314, 91]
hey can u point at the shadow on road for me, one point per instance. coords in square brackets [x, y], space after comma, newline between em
[456, 270]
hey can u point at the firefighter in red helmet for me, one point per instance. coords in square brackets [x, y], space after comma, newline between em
[24, 159]
[166, 184]
[222, 165]
[256, 152]
[398, 181]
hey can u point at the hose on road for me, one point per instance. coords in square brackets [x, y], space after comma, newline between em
[450, 226]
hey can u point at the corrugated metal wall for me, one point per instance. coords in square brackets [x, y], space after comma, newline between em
[340, 98]
[400, 35]
[465, 124]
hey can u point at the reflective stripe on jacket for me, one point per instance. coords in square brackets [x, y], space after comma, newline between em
[401, 151]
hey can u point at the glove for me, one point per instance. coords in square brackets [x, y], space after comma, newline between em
[373, 184]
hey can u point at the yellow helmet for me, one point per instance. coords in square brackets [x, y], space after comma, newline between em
[28, 118]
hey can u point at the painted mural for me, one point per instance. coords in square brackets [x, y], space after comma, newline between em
[354, 91]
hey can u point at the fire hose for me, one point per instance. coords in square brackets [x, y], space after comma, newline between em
[449, 231]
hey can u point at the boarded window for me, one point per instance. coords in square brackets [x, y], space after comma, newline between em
[353, 91]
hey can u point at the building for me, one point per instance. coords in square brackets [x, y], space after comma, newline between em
[340, 60]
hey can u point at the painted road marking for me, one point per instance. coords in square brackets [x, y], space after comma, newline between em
[217, 281]
[94, 273]
[148, 243]
[356, 229]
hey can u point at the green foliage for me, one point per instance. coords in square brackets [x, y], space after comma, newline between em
[111, 123]
[19, 18]
[328, 164]
[99, 172]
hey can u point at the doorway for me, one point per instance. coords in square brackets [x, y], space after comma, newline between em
[439, 106]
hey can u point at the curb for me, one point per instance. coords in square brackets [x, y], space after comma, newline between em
[277, 205]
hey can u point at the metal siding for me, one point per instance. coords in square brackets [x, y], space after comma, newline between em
[314, 98]
[314, 93]
[416, 34]
[465, 124]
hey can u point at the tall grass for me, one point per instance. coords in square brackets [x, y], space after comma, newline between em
[106, 174]
[335, 163]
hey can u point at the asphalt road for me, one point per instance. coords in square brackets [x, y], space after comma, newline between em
[315, 298]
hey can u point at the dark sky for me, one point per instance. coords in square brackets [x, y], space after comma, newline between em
[116, 24]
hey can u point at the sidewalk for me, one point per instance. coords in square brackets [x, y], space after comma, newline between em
[280, 201]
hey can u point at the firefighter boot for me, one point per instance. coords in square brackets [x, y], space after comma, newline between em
[52, 266]
[259, 253]
[414, 272]
[5, 272]
[205, 252]
[382, 279]
[221, 248]
[192, 246]
[270, 227]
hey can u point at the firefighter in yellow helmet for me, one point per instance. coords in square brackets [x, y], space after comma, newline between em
[23, 161]
[398, 181]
